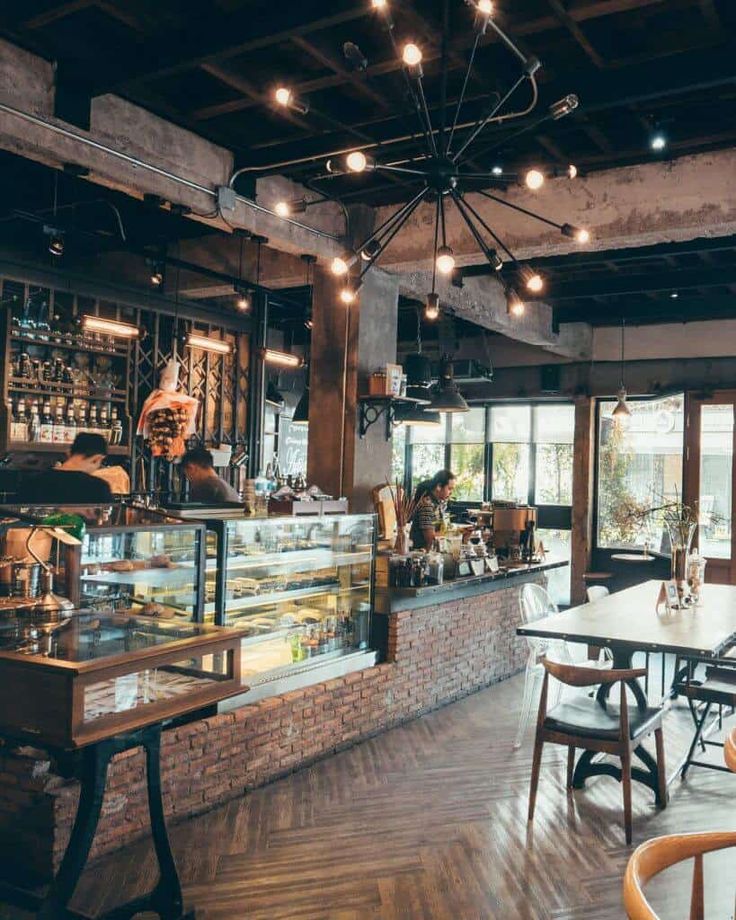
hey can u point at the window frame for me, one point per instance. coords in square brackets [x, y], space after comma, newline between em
[599, 400]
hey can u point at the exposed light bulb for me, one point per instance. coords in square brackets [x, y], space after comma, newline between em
[658, 142]
[495, 260]
[283, 96]
[534, 179]
[497, 170]
[157, 276]
[674, 295]
[572, 171]
[356, 161]
[242, 301]
[432, 307]
[348, 295]
[445, 260]
[485, 7]
[535, 284]
[341, 264]
[282, 208]
[412, 55]
[582, 235]
[516, 306]
[379, 4]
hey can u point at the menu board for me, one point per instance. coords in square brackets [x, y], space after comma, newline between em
[292, 447]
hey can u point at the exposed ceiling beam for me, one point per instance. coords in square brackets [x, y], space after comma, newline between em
[679, 280]
[577, 33]
[49, 16]
[643, 311]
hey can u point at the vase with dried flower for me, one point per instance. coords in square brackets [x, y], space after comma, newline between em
[681, 523]
[404, 508]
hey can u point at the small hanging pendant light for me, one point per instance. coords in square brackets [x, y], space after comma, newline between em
[622, 410]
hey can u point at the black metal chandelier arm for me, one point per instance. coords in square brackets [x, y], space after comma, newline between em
[460, 205]
[384, 167]
[434, 249]
[397, 215]
[429, 140]
[520, 209]
[442, 218]
[481, 124]
[427, 116]
[394, 230]
[530, 63]
[497, 239]
[461, 97]
[537, 123]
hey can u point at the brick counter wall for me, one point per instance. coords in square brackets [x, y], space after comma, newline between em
[436, 654]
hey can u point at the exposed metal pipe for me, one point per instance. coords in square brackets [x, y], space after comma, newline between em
[40, 122]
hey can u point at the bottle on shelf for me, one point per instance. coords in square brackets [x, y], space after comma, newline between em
[46, 431]
[34, 422]
[116, 429]
[93, 424]
[71, 423]
[19, 424]
[82, 424]
[59, 436]
[104, 422]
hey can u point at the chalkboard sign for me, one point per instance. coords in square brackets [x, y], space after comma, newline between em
[292, 447]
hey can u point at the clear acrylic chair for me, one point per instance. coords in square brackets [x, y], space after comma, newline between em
[535, 604]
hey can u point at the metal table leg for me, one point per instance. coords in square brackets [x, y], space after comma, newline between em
[622, 661]
[166, 897]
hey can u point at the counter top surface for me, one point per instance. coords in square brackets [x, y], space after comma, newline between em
[391, 600]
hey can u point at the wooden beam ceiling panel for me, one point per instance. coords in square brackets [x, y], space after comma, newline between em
[577, 33]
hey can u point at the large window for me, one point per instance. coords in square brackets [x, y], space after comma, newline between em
[510, 434]
[467, 454]
[639, 467]
[716, 477]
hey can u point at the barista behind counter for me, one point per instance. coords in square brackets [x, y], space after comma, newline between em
[205, 486]
[432, 497]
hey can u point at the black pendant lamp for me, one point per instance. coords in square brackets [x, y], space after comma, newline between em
[273, 396]
[418, 371]
[622, 412]
[447, 397]
[417, 416]
[301, 413]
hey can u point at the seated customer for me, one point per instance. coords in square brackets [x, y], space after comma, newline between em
[204, 483]
[72, 481]
[432, 496]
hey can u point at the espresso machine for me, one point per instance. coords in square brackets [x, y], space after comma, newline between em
[514, 531]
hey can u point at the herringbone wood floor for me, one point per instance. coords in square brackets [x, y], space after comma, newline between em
[429, 821]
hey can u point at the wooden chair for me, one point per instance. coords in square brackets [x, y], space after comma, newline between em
[659, 854]
[584, 723]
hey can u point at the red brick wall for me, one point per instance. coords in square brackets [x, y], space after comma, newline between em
[435, 655]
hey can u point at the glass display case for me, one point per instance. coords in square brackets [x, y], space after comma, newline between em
[92, 674]
[131, 556]
[299, 589]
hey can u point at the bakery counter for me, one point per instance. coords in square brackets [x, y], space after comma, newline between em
[393, 600]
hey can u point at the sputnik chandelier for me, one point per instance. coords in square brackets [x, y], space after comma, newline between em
[445, 167]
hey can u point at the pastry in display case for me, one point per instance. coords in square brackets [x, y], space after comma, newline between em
[299, 589]
[133, 557]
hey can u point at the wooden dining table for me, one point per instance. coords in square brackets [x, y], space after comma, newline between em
[628, 622]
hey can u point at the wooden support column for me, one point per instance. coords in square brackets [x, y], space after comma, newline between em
[348, 343]
[583, 480]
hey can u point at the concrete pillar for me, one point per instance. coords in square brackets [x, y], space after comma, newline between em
[348, 343]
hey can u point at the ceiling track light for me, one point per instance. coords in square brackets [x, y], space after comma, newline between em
[281, 358]
[110, 327]
[658, 141]
[208, 343]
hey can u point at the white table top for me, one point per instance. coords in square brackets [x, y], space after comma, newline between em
[629, 619]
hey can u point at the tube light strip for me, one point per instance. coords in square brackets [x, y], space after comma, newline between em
[209, 344]
[110, 327]
[270, 356]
